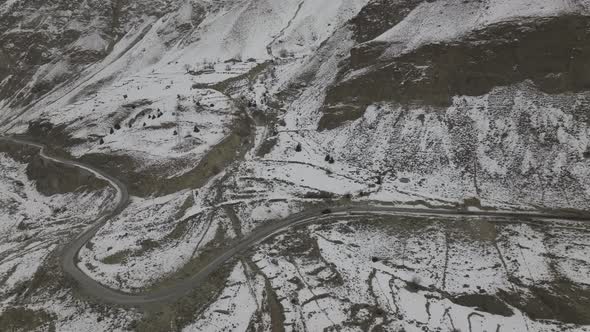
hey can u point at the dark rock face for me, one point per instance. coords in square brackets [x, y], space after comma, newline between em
[365, 54]
[375, 18]
[486, 303]
[379, 16]
[44, 34]
[552, 52]
[52, 178]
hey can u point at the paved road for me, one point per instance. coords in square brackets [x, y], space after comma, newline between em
[183, 287]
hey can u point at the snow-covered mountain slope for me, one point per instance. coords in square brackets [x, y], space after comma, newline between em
[428, 58]
[458, 105]
[45, 43]
[222, 116]
[149, 72]
[443, 21]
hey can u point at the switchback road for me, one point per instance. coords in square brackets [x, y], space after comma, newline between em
[315, 215]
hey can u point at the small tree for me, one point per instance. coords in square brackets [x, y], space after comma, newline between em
[175, 133]
[196, 129]
[112, 131]
[125, 97]
[331, 161]
[208, 65]
[117, 126]
[101, 142]
[327, 158]
[144, 124]
[414, 284]
[298, 147]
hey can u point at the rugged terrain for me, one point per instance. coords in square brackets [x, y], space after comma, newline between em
[265, 165]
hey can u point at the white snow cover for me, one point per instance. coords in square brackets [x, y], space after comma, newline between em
[391, 154]
[91, 42]
[144, 222]
[378, 261]
[444, 20]
[235, 306]
[32, 227]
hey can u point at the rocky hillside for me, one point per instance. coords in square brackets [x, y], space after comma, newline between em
[45, 43]
[398, 89]
[223, 117]
[429, 59]
[500, 99]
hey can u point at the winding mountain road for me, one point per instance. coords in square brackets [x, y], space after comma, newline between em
[185, 286]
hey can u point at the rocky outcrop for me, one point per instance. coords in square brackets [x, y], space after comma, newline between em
[379, 16]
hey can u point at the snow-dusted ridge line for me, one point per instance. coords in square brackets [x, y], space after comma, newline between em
[184, 286]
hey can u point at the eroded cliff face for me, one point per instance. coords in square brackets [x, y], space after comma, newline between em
[49, 177]
[378, 16]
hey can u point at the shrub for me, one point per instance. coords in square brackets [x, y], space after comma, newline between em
[414, 284]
